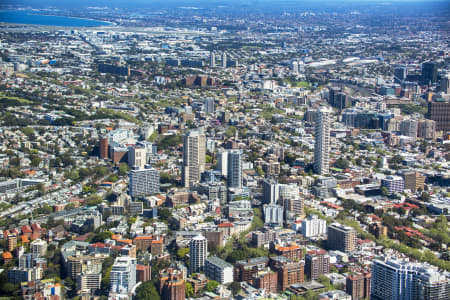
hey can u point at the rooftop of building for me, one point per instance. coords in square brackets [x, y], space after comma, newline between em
[219, 262]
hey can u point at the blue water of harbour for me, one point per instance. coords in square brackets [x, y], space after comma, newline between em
[31, 17]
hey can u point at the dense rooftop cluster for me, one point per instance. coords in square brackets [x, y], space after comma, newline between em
[301, 156]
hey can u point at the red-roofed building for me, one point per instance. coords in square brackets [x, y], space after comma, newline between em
[100, 248]
[35, 236]
[292, 251]
[7, 257]
[26, 230]
[24, 239]
[227, 228]
[143, 243]
[124, 242]
[157, 247]
[161, 200]
[375, 218]
[332, 205]
[413, 233]
[83, 237]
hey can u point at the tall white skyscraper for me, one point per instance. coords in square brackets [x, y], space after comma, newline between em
[234, 170]
[294, 66]
[198, 251]
[224, 60]
[322, 144]
[123, 275]
[212, 59]
[222, 162]
[194, 152]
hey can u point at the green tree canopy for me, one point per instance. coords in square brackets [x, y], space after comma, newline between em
[342, 163]
[164, 213]
[189, 290]
[94, 200]
[235, 287]
[123, 169]
[211, 285]
[182, 252]
[102, 236]
[147, 291]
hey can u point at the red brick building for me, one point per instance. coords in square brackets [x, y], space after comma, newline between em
[292, 251]
[267, 280]
[358, 285]
[245, 269]
[143, 273]
[103, 147]
[316, 264]
[171, 284]
[289, 271]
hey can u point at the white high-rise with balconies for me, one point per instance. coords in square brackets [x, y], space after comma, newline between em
[212, 59]
[222, 162]
[224, 60]
[312, 226]
[404, 280]
[38, 247]
[322, 141]
[198, 251]
[143, 181]
[123, 275]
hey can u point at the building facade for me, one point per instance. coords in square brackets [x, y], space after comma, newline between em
[322, 142]
[194, 153]
[414, 181]
[198, 250]
[289, 271]
[402, 280]
[171, 284]
[137, 157]
[245, 269]
[312, 226]
[234, 169]
[219, 270]
[394, 184]
[144, 181]
[341, 237]
[316, 264]
[439, 111]
[271, 191]
[358, 285]
[123, 275]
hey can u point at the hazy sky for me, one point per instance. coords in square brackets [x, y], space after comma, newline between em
[235, 4]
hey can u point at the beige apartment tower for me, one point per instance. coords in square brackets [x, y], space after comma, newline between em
[414, 181]
[341, 237]
[194, 152]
